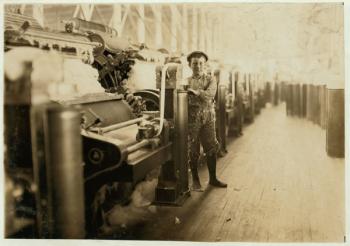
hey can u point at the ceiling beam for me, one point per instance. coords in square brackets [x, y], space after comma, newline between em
[184, 33]
[173, 26]
[194, 28]
[141, 29]
[38, 13]
[157, 12]
[118, 20]
[22, 8]
[85, 10]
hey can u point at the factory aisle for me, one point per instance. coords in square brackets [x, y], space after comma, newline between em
[281, 187]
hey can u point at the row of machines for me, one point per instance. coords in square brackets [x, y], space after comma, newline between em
[240, 97]
[320, 105]
[62, 146]
[314, 109]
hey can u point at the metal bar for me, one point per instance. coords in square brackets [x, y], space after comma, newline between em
[73, 40]
[102, 130]
[137, 146]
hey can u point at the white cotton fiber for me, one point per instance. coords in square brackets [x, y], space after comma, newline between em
[82, 75]
[142, 76]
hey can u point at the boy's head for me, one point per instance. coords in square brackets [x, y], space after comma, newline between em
[197, 61]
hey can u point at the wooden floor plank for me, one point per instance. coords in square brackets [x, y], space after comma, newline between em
[282, 187]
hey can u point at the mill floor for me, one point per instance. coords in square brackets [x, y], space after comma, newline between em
[282, 187]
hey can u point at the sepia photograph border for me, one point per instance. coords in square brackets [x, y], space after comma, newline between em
[32, 242]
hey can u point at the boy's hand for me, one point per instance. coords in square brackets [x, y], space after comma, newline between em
[193, 92]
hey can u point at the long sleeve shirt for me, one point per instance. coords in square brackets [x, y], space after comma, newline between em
[206, 86]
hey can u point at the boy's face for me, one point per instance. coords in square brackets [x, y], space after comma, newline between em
[197, 65]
